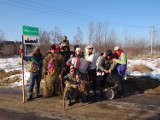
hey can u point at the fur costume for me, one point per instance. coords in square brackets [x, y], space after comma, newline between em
[52, 82]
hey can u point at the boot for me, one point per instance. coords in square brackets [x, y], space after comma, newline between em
[29, 97]
[87, 93]
[101, 93]
[68, 102]
[95, 94]
[37, 95]
[82, 98]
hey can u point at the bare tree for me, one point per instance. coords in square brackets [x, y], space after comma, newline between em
[112, 39]
[157, 43]
[2, 43]
[105, 34]
[140, 46]
[134, 47]
[45, 40]
[9, 50]
[91, 32]
[99, 35]
[56, 35]
[44, 37]
[157, 47]
[78, 38]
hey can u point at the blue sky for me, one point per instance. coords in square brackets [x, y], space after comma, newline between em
[132, 16]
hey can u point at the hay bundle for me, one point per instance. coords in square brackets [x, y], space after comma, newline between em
[155, 91]
[141, 68]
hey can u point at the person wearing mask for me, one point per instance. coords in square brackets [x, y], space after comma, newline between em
[53, 66]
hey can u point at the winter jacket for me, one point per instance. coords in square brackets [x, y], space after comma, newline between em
[92, 59]
[121, 64]
[106, 64]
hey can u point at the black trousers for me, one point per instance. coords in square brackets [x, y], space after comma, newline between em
[92, 78]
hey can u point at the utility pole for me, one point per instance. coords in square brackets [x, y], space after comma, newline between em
[152, 39]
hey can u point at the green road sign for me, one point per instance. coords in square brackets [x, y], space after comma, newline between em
[33, 31]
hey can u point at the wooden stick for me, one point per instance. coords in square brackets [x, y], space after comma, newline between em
[23, 88]
[64, 105]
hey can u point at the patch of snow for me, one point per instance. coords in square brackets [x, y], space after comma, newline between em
[10, 64]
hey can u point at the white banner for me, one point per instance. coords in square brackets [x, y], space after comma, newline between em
[30, 39]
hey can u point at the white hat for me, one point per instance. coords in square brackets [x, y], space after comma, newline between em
[72, 68]
[116, 48]
[78, 49]
[90, 46]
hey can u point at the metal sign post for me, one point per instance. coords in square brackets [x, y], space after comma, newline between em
[30, 36]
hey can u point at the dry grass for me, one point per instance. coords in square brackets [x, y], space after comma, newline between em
[7, 81]
[4, 75]
[158, 64]
[141, 68]
[5, 78]
[156, 56]
[155, 91]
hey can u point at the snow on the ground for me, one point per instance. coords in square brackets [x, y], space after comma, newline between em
[10, 64]
[15, 63]
[151, 63]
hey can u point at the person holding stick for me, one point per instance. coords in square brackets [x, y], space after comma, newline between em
[34, 68]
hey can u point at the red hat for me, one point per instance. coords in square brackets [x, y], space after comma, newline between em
[53, 47]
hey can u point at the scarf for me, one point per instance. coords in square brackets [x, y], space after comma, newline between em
[118, 54]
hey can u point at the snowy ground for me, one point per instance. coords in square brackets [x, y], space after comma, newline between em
[154, 64]
[11, 64]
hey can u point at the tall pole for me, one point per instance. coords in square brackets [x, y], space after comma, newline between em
[23, 87]
[152, 39]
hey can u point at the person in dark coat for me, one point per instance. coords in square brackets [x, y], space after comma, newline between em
[35, 70]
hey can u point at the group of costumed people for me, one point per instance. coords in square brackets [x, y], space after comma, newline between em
[74, 74]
